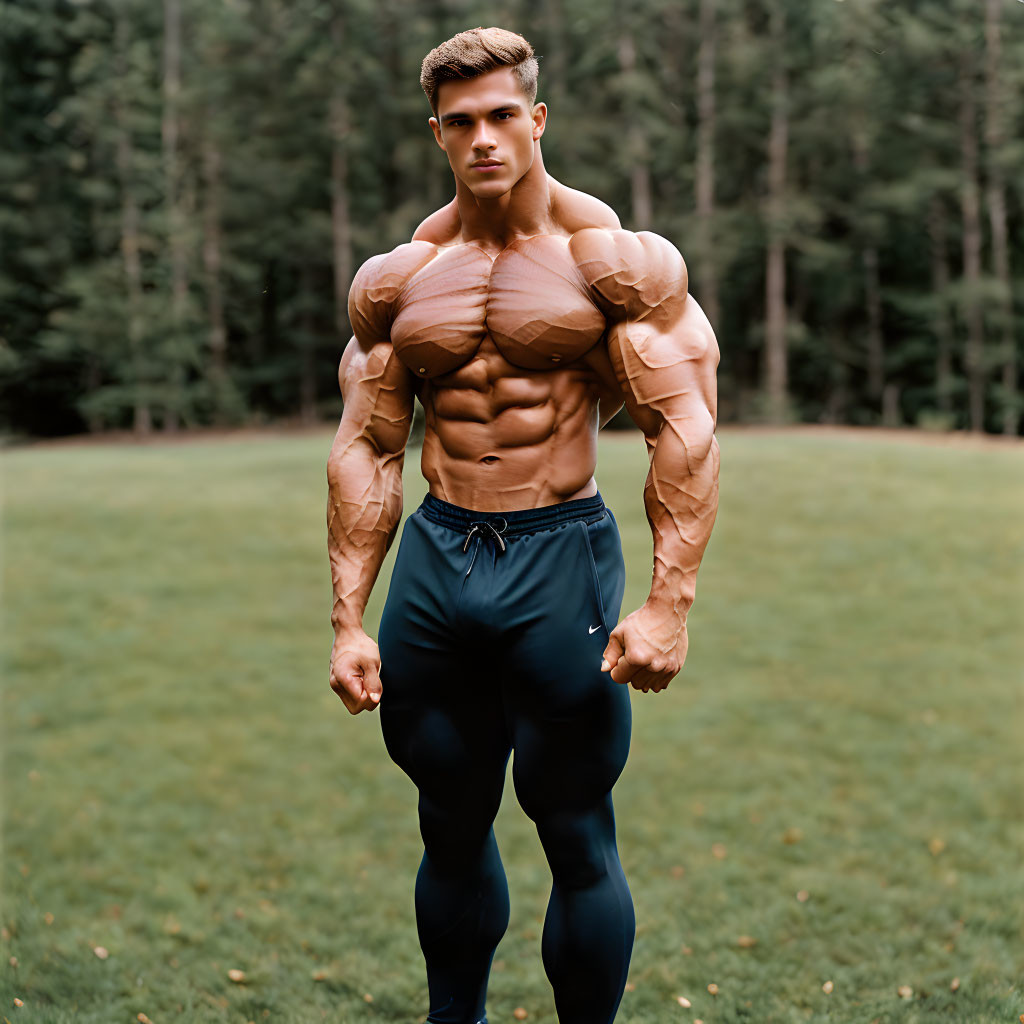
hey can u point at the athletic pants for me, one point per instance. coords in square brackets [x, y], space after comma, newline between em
[491, 641]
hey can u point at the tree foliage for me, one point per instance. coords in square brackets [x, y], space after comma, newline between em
[178, 224]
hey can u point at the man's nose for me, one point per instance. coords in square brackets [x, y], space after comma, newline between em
[484, 138]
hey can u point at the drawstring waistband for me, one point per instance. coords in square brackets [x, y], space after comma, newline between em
[499, 526]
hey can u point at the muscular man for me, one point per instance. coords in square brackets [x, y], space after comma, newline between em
[522, 316]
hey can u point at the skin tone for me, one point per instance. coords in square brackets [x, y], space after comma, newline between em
[523, 317]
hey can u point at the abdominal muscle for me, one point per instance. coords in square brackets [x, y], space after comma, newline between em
[500, 438]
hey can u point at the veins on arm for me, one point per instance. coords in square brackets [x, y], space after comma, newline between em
[364, 472]
[665, 356]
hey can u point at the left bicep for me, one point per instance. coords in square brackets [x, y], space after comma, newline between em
[666, 364]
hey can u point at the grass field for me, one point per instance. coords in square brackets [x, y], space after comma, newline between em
[182, 789]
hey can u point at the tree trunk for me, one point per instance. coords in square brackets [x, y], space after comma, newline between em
[169, 131]
[775, 378]
[872, 288]
[142, 422]
[307, 341]
[636, 136]
[341, 226]
[974, 353]
[556, 78]
[707, 274]
[217, 371]
[941, 323]
[996, 201]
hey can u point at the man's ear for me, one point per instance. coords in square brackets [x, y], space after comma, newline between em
[436, 128]
[540, 119]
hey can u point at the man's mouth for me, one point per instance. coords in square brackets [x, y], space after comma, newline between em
[486, 164]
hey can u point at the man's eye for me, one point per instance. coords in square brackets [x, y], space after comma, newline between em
[504, 114]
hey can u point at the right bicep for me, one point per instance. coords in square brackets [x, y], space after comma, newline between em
[378, 393]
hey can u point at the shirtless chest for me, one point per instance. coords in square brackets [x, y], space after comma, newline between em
[450, 304]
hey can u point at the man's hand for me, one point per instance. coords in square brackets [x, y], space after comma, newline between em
[355, 671]
[646, 649]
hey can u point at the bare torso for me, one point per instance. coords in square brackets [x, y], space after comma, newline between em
[507, 348]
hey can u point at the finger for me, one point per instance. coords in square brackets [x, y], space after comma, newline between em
[349, 699]
[351, 702]
[347, 683]
[612, 653]
[644, 679]
[371, 683]
[624, 670]
[649, 679]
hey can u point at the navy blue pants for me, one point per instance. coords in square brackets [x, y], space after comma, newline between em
[491, 641]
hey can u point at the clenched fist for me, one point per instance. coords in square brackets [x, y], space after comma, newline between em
[646, 649]
[355, 671]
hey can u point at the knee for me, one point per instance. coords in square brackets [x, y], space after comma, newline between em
[455, 833]
[578, 846]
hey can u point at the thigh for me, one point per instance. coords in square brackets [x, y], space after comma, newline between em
[441, 711]
[570, 721]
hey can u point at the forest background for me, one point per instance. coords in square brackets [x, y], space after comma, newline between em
[187, 187]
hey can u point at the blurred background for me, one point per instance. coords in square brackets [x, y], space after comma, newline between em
[189, 186]
[821, 819]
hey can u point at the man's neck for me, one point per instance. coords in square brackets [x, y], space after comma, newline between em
[521, 213]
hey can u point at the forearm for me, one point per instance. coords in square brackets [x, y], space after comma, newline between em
[364, 507]
[681, 499]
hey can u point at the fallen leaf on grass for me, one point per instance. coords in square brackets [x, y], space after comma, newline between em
[101, 951]
[14, 961]
[630, 987]
[319, 975]
[905, 992]
[519, 1013]
[143, 1019]
[746, 941]
[803, 895]
[48, 917]
[683, 1002]
[367, 998]
[18, 1002]
[719, 850]
[954, 984]
[827, 988]
[936, 846]
[792, 835]
[687, 951]
[713, 989]
[677, 871]
[237, 976]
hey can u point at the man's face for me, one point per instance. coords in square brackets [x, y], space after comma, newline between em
[486, 127]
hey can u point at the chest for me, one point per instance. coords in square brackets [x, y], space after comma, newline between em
[530, 300]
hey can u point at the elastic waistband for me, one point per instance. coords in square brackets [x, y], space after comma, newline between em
[527, 520]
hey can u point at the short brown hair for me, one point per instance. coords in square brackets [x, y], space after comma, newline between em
[475, 52]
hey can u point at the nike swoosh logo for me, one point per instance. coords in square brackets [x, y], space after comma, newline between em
[594, 629]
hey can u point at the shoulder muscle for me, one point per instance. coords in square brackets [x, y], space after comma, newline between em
[630, 273]
[576, 210]
[378, 284]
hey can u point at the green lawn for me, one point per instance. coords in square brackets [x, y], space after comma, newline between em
[182, 788]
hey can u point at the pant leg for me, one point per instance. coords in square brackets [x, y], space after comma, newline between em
[443, 724]
[571, 729]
